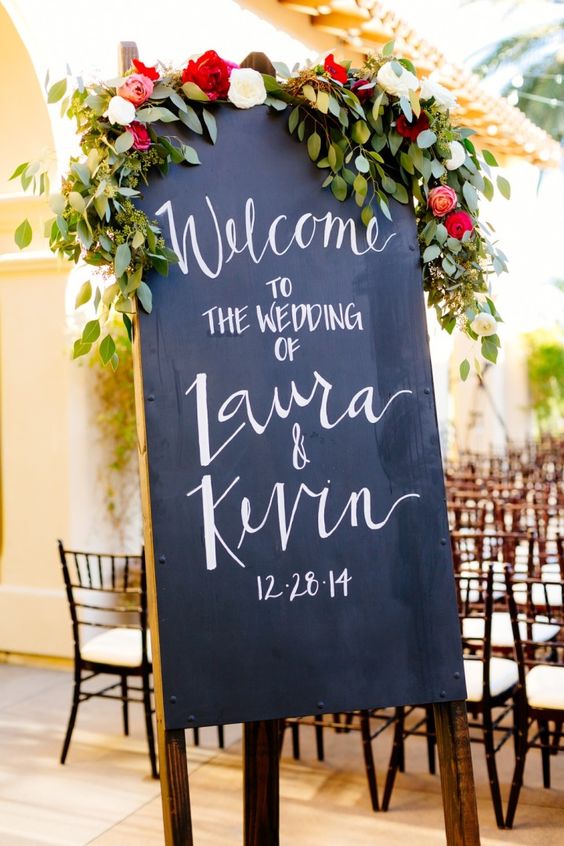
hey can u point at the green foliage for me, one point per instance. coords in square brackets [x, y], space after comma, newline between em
[355, 139]
[545, 368]
[115, 418]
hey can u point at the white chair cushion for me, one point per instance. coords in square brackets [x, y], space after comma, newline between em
[116, 647]
[503, 676]
[540, 593]
[502, 634]
[545, 687]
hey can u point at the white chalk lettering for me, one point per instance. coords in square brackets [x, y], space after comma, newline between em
[228, 240]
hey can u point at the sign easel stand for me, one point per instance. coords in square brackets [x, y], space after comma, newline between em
[262, 738]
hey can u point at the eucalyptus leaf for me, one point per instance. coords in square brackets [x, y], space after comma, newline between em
[360, 132]
[314, 146]
[504, 187]
[91, 332]
[471, 196]
[426, 139]
[77, 202]
[84, 294]
[122, 259]
[464, 369]
[82, 171]
[309, 93]
[432, 252]
[339, 188]
[107, 349]
[194, 92]
[362, 164]
[322, 102]
[124, 142]
[23, 234]
[80, 348]
[190, 155]
[190, 119]
[57, 91]
[211, 125]
[293, 119]
[489, 158]
[394, 141]
[145, 297]
[366, 215]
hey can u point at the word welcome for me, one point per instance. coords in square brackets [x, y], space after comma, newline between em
[232, 238]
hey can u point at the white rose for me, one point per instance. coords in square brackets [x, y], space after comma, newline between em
[457, 156]
[400, 85]
[120, 110]
[444, 98]
[484, 324]
[246, 88]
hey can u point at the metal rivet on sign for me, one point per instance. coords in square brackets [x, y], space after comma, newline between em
[443, 542]
[426, 390]
[191, 718]
[151, 398]
[443, 694]
[457, 675]
[173, 700]
[321, 705]
[162, 559]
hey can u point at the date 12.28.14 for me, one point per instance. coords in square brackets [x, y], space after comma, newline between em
[304, 585]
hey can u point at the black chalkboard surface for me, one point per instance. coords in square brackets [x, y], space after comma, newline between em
[297, 497]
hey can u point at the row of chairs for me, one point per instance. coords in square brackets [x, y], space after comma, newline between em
[510, 605]
[509, 589]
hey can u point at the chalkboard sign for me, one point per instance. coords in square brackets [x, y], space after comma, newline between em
[298, 511]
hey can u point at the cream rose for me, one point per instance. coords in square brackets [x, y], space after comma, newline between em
[120, 111]
[246, 88]
[457, 156]
[400, 85]
[484, 324]
[444, 98]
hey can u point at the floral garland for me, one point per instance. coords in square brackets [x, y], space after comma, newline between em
[377, 132]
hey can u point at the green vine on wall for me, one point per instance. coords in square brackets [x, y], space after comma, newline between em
[115, 417]
[545, 368]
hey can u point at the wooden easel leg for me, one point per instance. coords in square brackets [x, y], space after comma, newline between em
[175, 792]
[261, 767]
[457, 778]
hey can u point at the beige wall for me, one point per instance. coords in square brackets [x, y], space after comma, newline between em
[34, 380]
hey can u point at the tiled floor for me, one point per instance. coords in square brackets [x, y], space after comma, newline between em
[104, 796]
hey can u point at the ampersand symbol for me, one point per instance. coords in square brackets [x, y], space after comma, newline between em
[299, 457]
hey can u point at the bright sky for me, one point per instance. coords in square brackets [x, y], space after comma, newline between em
[85, 33]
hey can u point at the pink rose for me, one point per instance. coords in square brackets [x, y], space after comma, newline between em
[458, 223]
[136, 88]
[442, 200]
[141, 138]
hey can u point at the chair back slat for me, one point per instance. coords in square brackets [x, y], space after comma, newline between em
[105, 591]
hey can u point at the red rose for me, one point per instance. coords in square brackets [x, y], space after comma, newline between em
[210, 73]
[361, 92]
[136, 88]
[141, 138]
[442, 200]
[151, 72]
[458, 223]
[338, 72]
[411, 129]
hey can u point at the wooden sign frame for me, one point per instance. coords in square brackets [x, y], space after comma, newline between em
[262, 738]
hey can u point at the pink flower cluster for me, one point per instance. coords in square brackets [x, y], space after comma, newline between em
[442, 201]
